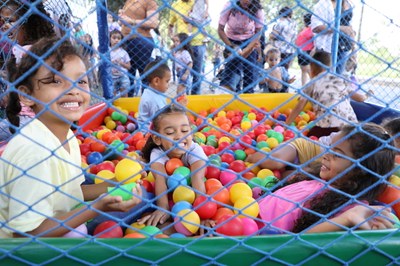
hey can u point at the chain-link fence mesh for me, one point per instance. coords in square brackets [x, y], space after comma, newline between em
[250, 183]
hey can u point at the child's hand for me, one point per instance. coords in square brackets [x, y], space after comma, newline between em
[366, 217]
[292, 79]
[115, 203]
[157, 217]
[205, 224]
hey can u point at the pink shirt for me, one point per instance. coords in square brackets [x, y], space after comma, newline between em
[239, 26]
[305, 39]
[282, 208]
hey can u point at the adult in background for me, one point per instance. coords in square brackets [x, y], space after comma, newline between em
[181, 22]
[305, 44]
[322, 24]
[284, 35]
[138, 18]
[239, 24]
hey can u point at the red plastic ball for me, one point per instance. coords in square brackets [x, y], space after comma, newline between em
[212, 172]
[108, 229]
[204, 207]
[172, 164]
[238, 166]
[229, 226]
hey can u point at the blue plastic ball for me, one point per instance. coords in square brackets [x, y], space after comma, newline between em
[94, 158]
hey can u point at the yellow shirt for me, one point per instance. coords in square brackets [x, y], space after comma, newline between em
[33, 165]
[178, 11]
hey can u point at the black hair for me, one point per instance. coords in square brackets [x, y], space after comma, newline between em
[155, 69]
[370, 144]
[155, 127]
[273, 50]
[321, 57]
[252, 9]
[392, 125]
[307, 19]
[36, 24]
[285, 12]
[45, 48]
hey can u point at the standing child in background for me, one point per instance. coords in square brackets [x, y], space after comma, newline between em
[183, 62]
[305, 43]
[353, 175]
[153, 99]
[172, 138]
[41, 174]
[278, 77]
[327, 91]
[120, 58]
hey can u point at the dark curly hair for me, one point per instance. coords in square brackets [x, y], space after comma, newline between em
[373, 150]
[45, 48]
[252, 9]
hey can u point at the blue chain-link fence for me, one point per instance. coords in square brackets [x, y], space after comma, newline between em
[238, 98]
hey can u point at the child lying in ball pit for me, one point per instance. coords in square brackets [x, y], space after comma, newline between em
[343, 182]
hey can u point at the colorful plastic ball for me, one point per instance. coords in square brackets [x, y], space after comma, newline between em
[172, 164]
[123, 119]
[134, 228]
[199, 137]
[118, 145]
[245, 125]
[182, 193]
[181, 205]
[134, 235]
[221, 212]
[212, 172]
[237, 166]
[272, 143]
[240, 155]
[103, 175]
[229, 226]
[263, 173]
[177, 235]
[128, 171]
[279, 129]
[281, 117]
[262, 144]
[115, 116]
[187, 222]
[94, 158]
[224, 139]
[175, 180]
[252, 116]
[227, 177]
[224, 165]
[239, 190]
[250, 226]
[150, 230]
[80, 231]
[227, 157]
[130, 127]
[183, 170]
[111, 124]
[212, 182]
[208, 150]
[246, 206]
[256, 182]
[220, 195]
[108, 229]
[205, 207]
[257, 192]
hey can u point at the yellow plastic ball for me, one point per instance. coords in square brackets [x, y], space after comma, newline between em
[150, 177]
[252, 116]
[221, 114]
[107, 118]
[306, 117]
[245, 125]
[103, 175]
[111, 124]
[101, 132]
[134, 228]
[301, 123]
[224, 139]
[272, 142]
[200, 137]
[182, 193]
[266, 149]
[238, 191]
[128, 171]
[263, 173]
[190, 220]
[246, 207]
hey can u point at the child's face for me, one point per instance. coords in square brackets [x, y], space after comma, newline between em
[334, 164]
[58, 95]
[8, 22]
[115, 39]
[161, 84]
[176, 136]
[273, 59]
[176, 41]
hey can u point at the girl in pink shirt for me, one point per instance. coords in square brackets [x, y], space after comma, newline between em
[353, 174]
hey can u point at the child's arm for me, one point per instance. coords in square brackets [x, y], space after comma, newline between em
[363, 217]
[51, 227]
[159, 216]
[198, 169]
[187, 72]
[297, 109]
[126, 65]
[254, 44]
[92, 192]
[358, 97]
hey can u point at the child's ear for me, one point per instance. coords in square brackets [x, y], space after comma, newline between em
[156, 139]
[25, 99]
[156, 80]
